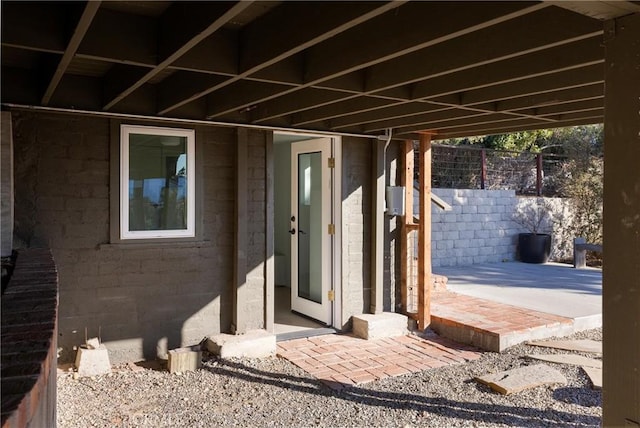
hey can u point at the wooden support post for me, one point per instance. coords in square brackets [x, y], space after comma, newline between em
[239, 291]
[621, 275]
[424, 234]
[483, 169]
[406, 180]
[539, 174]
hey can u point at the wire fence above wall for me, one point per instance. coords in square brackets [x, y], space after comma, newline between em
[478, 168]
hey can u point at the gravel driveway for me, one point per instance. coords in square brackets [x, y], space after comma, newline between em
[274, 392]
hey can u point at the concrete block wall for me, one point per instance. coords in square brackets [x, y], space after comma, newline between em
[479, 229]
[256, 206]
[356, 226]
[143, 298]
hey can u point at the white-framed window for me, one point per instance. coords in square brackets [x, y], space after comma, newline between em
[157, 182]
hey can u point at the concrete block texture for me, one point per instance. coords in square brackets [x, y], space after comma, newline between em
[356, 227]
[476, 227]
[481, 226]
[144, 298]
[376, 326]
[253, 344]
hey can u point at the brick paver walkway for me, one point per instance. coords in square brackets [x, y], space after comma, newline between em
[340, 360]
[484, 315]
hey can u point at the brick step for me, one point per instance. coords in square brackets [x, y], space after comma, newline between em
[490, 325]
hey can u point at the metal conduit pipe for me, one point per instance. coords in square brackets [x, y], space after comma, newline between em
[379, 180]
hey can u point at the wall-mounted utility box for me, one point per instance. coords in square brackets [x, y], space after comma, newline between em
[395, 200]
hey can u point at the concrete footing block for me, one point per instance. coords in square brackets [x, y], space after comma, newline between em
[93, 362]
[376, 326]
[184, 359]
[253, 344]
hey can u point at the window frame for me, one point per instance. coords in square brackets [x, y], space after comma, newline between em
[124, 233]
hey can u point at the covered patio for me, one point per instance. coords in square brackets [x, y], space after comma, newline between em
[378, 75]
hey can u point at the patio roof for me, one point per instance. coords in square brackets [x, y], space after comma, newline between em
[451, 68]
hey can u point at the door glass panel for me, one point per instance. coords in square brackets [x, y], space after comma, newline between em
[310, 226]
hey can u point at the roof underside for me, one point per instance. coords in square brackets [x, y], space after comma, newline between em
[451, 68]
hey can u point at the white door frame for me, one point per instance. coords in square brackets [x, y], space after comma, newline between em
[336, 244]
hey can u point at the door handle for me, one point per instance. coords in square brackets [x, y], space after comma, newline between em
[302, 232]
[293, 231]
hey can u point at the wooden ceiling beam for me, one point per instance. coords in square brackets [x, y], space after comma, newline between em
[395, 34]
[404, 31]
[295, 26]
[572, 107]
[171, 89]
[299, 33]
[217, 54]
[551, 82]
[511, 125]
[294, 102]
[506, 128]
[582, 114]
[454, 117]
[387, 115]
[340, 109]
[586, 92]
[201, 23]
[572, 56]
[242, 93]
[477, 119]
[84, 22]
[121, 38]
[35, 26]
[487, 46]
[517, 37]
[443, 114]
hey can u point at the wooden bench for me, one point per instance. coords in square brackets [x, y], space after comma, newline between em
[580, 248]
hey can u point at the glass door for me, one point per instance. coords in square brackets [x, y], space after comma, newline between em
[310, 219]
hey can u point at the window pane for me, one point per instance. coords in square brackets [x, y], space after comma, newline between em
[157, 182]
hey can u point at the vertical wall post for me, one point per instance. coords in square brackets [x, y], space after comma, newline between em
[377, 227]
[406, 180]
[539, 174]
[621, 275]
[424, 234]
[483, 169]
[240, 261]
[269, 266]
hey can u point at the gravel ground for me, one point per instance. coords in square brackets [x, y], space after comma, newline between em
[274, 392]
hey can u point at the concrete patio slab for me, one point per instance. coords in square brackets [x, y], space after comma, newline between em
[552, 288]
[497, 305]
